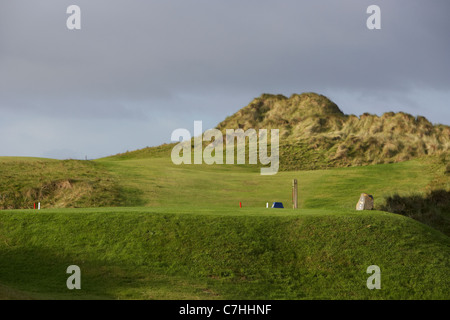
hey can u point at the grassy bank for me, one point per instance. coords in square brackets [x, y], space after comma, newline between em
[54, 183]
[155, 253]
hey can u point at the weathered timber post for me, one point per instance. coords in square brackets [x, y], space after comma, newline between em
[294, 194]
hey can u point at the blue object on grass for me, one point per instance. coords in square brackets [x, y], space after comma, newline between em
[277, 205]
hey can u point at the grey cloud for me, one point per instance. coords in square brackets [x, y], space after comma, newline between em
[142, 48]
[133, 58]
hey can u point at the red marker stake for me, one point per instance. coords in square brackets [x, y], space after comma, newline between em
[240, 204]
[34, 205]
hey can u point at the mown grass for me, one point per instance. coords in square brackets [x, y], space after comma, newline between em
[161, 183]
[192, 241]
[221, 253]
[158, 182]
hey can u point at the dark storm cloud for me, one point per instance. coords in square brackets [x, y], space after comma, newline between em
[154, 48]
[132, 59]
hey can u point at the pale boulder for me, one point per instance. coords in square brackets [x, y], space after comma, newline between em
[365, 202]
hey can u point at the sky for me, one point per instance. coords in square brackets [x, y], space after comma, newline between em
[137, 70]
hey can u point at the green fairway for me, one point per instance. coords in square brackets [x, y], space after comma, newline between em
[158, 182]
[155, 253]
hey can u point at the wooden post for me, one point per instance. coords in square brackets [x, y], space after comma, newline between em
[294, 194]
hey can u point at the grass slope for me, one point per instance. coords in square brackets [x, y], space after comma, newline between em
[67, 183]
[220, 253]
[413, 188]
[191, 241]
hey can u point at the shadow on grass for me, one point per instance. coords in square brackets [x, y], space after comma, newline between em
[37, 273]
[131, 197]
[432, 209]
[41, 274]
